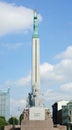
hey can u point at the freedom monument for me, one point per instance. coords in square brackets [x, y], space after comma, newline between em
[35, 115]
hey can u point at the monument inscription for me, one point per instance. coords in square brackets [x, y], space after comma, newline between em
[36, 113]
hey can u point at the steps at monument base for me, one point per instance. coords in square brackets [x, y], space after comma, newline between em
[37, 125]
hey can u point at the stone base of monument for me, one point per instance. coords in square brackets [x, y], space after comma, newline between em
[37, 119]
[35, 125]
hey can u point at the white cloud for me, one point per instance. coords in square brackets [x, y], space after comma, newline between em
[15, 18]
[56, 80]
[21, 102]
[56, 74]
[50, 74]
[64, 69]
[17, 106]
[46, 67]
[51, 96]
[22, 82]
[67, 87]
[66, 54]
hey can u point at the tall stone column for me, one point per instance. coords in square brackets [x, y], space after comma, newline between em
[35, 57]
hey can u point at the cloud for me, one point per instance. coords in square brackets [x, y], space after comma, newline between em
[56, 74]
[46, 67]
[67, 87]
[18, 102]
[52, 95]
[24, 81]
[14, 19]
[64, 69]
[17, 106]
[56, 80]
[67, 54]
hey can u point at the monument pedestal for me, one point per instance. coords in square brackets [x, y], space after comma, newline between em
[36, 125]
[37, 118]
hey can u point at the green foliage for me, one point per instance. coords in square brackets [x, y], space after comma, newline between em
[20, 118]
[13, 121]
[3, 122]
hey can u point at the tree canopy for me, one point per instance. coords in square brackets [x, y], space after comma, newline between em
[13, 121]
[20, 118]
[3, 122]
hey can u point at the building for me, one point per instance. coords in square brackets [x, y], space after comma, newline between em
[5, 103]
[67, 115]
[57, 111]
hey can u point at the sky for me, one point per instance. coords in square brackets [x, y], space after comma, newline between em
[55, 32]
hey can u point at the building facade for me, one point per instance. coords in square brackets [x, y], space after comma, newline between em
[67, 115]
[57, 111]
[5, 103]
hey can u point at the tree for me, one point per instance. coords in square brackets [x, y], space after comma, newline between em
[3, 122]
[13, 121]
[20, 118]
